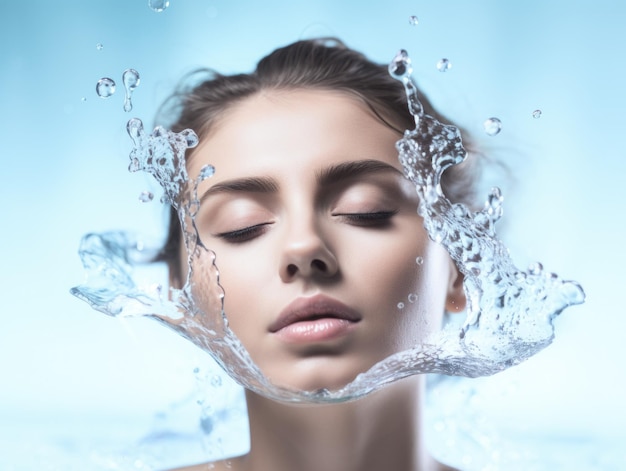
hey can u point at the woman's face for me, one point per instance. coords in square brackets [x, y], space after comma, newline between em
[316, 238]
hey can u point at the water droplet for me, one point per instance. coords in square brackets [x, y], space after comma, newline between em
[412, 297]
[535, 268]
[400, 66]
[158, 5]
[196, 370]
[146, 196]
[492, 126]
[444, 65]
[130, 78]
[400, 305]
[216, 381]
[206, 172]
[537, 114]
[413, 20]
[419, 260]
[83, 98]
[99, 46]
[105, 87]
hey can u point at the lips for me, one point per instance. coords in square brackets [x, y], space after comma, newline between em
[315, 318]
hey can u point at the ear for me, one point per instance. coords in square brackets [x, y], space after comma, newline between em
[455, 299]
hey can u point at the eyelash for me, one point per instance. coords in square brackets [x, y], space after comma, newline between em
[373, 219]
[243, 235]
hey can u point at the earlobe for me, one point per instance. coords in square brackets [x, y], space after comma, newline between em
[455, 299]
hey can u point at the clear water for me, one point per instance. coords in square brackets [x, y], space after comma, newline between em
[105, 87]
[510, 311]
[130, 79]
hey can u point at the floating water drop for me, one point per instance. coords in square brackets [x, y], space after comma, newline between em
[412, 297]
[444, 65]
[83, 98]
[400, 305]
[492, 126]
[537, 114]
[158, 5]
[206, 172]
[99, 46]
[105, 87]
[419, 260]
[146, 196]
[413, 20]
[130, 78]
[400, 66]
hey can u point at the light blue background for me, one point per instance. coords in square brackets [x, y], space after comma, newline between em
[64, 174]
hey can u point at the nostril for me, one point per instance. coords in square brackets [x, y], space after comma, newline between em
[292, 269]
[319, 265]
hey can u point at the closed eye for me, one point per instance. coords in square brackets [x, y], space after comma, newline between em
[369, 219]
[245, 234]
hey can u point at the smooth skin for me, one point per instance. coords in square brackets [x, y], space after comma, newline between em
[308, 201]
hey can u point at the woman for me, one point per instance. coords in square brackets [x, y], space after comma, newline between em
[316, 237]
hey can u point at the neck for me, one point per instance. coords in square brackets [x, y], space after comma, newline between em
[380, 431]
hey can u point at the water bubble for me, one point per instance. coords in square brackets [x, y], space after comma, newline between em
[99, 46]
[216, 381]
[146, 196]
[158, 5]
[535, 268]
[400, 66]
[105, 87]
[206, 172]
[412, 297]
[400, 305]
[130, 78]
[419, 260]
[537, 114]
[444, 65]
[492, 126]
[413, 20]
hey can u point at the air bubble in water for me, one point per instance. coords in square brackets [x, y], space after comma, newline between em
[492, 126]
[412, 297]
[537, 114]
[444, 65]
[146, 196]
[130, 78]
[413, 20]
[419, 260]
[400, 305]
[105, 87]
[158, 5]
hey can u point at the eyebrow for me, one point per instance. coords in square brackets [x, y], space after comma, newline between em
[326, 177]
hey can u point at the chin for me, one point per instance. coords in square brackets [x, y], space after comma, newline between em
[313, 374]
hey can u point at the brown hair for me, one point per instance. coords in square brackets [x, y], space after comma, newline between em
[326, 64]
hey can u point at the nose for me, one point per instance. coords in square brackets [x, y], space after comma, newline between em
[306, 254]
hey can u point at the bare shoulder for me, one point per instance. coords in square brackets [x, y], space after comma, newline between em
[230, 464]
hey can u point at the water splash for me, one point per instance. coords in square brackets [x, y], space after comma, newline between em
[105, 87]
[131, 80]
[510, 312]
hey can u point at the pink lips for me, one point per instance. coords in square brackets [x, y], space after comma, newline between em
[314, 319]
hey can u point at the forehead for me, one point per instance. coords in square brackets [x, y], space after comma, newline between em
[294, 127]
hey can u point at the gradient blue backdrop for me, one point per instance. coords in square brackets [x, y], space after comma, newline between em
[64, 154]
